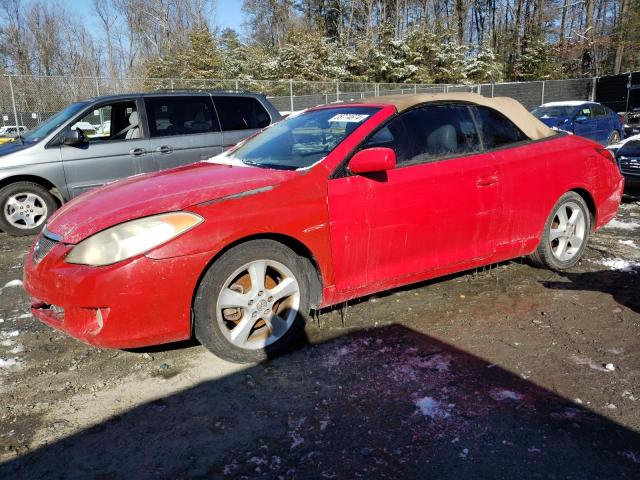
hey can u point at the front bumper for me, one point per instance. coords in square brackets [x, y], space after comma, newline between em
[134, 303]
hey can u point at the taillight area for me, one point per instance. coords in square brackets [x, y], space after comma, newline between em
[621, 118]
[608, 154]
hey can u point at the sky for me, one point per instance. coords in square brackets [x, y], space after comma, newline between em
[228, 13]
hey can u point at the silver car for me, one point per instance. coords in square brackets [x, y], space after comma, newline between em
[103, 139]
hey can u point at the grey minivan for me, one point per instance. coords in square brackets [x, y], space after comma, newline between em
[103, 139]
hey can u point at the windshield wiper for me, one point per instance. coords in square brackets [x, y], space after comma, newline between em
[274, 166]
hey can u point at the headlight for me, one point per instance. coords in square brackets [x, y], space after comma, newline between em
[131, 238]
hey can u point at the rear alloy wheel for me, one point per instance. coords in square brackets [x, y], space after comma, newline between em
[565, 234]
[614, 138]
[26, 206]
[252, 302]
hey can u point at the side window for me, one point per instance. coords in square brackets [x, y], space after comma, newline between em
[113, 121]
[497, 130]
[600, 111]
[173, 115]
[585, 111]
[241, 113]
[428, 133]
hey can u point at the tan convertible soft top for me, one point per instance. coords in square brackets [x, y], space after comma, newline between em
[510, 108]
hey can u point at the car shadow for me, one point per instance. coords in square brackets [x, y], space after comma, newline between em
[623, 286]
[381, 403]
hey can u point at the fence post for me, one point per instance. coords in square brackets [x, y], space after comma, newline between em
[290, 96]
[593, 88]
[171, 83]
[376, 89]
[492, 85]
[97, 88]
[415, 88]
[337, 91]
[542, 100]
[13, 101]
[236, 85]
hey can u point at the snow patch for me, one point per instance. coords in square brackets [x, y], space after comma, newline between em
[9, 362]
[629, 243]
[621, 265]
[615, 223]
[13, 333]
[579, 360]
[500, 395]
[430, 407]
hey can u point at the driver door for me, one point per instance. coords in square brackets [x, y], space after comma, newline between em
[115, 144]
[438, 208]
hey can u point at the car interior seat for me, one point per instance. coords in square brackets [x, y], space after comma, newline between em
[133, 129]
[443, 139]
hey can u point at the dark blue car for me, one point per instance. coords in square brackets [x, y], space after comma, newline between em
[587, 119]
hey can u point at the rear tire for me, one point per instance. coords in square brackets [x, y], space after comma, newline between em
[26, 206]
[252, 302]
[565, 236]
[614, 138]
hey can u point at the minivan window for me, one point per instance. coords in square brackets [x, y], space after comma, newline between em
[241, 113]
[428, 133]
[180, 115]
[48, 126]
[497, 130]
[112, 121]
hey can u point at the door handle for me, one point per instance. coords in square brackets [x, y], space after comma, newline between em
[137, 152]
[164, 149]
[487, 181]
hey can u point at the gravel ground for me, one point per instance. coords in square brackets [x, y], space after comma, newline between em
[504, 372]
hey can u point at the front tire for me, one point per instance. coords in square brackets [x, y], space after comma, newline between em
[565, 234]
[252, 302]
[26, 206]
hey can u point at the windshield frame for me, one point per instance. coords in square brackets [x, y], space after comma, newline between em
[53, 123]
[267, 138]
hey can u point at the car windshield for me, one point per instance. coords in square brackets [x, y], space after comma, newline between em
[553, 111]
[300, 141]
[630, 149]
[49, 125]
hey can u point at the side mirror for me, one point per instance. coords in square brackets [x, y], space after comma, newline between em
[74, 137]
[371, 160]
[581, 118]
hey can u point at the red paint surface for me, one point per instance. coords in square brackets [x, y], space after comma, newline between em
[365, 233]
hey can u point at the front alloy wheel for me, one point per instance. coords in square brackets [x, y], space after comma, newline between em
[252, 302]
[26, 206]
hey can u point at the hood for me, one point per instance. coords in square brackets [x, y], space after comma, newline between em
[553, 121]
[15, 146]
[154, 193]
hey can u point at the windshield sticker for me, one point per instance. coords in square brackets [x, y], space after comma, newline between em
[348, 117]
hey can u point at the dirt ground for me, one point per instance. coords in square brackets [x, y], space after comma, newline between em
[508, 372]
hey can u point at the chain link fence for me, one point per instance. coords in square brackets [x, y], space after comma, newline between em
[28, 100]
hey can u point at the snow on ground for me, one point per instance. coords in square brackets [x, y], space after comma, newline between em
[9, 362]
[11, 284]
[615, 223]
[429, 407]
[499, 395]
[629, 243]
[620, 264]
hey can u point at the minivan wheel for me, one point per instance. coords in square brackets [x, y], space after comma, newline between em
[26, 206]
[565, 235]
[614, 138]
[252, 302]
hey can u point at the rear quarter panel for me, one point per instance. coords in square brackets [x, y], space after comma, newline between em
[536, 175]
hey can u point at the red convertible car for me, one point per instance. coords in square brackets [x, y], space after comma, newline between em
[335, 203]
